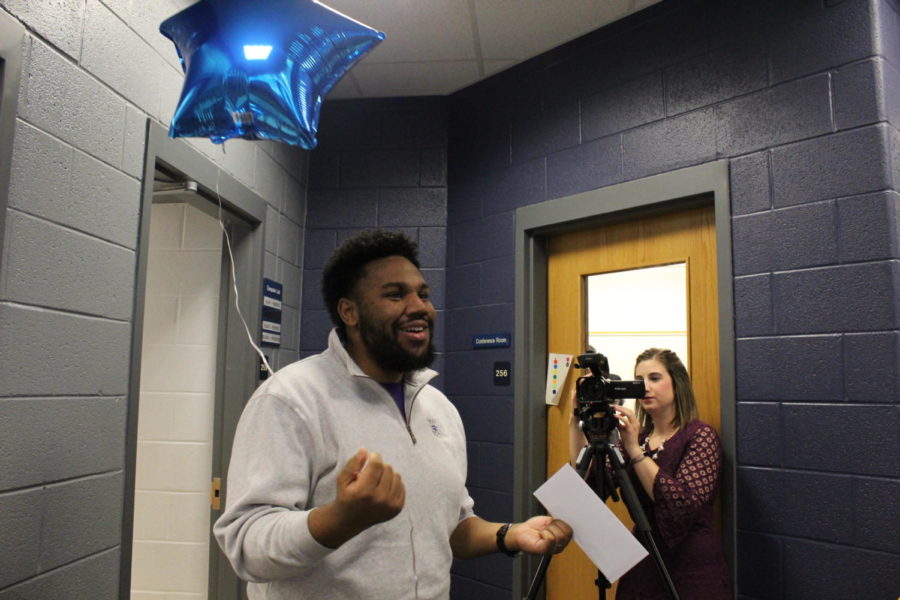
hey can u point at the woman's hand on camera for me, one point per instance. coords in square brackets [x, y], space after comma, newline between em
[630, 430]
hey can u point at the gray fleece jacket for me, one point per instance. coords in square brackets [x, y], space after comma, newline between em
[295, 435]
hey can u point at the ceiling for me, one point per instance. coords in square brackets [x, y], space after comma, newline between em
[436, 47]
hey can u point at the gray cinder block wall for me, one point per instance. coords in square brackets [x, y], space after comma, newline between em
[93, 73]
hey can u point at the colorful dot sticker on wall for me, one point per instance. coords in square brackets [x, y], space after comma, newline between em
[557, 370]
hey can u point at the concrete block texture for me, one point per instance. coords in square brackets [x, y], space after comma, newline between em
[878, 504]
[759, 434]
[750, 187]
[268, 179]
[291, 276]
[20, 536]
[622, 107]
[433, 167]
[485, 418]
[412, 207]
[809, 505]
[888, 34]
[144, 18]
[435, 280]
[464, 286]
[133, 147]
[50, 266]
[43, 440]
[832, 166]
[272, 229]
[498, 279]
[506, 189]
[294, 195]
[115, 54]
[681, 141]
[54, 353]
[836, 571]
[767, 368]
[798, 237]
[834, 299]
[59, 21]
[727, 72]
[776, 115]
[753, 311]
[835, 34]
[495, 463]
[554, 128]
[289, 239]
[171, 82]
[314, 328]
[891, 73]
[318, 246]
[92, 578]
[760, 572]
[479, 142]
[817, 426]
[52, 180]
[859, 94]
[342, 208]
[379, 168]
[82, 517]
[870, 361]
[61, 99]
[585, 167]
[869, 227]
[432, 247]
[324, 169]
[481, 239]
[484, 578]
[342, 125]
[894, 136]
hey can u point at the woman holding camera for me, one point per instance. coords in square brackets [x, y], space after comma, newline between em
[675, 463]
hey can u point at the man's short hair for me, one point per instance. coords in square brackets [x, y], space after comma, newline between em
[347, 265]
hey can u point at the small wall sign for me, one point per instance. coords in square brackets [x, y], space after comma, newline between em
[491, 340]
[502, 373]
[271, 313]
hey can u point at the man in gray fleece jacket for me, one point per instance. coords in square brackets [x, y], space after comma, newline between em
[316, 507]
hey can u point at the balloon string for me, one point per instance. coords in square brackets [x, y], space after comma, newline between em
[234, 277]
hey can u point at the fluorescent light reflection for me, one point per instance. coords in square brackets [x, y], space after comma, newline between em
[257, 52]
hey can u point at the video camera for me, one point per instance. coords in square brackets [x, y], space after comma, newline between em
[596, 392]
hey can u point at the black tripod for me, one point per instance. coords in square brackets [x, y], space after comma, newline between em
[602, 445]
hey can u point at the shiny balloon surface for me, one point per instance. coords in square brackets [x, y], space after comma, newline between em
[260, 69]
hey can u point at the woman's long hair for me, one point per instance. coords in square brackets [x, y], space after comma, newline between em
[685, 402]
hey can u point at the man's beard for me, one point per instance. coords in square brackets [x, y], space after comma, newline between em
[387, 352]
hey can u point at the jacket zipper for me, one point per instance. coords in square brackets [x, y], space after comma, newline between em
[407, 419]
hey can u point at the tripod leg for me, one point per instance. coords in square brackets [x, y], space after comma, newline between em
[642, 524]
[539, 576]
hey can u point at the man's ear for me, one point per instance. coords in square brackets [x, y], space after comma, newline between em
[348, 312]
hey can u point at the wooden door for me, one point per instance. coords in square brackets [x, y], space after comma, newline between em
[686, 236]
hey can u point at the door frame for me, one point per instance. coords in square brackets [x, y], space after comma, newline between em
[12, 35]
[235, 381]
[652, 195]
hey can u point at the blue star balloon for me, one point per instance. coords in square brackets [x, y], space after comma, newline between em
[259, 69]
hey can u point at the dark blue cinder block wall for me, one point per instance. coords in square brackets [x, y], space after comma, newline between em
[803, 99]
[380, 163]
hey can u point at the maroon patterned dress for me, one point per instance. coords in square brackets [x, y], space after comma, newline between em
[682, 520]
